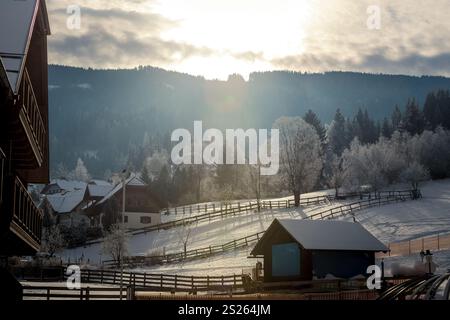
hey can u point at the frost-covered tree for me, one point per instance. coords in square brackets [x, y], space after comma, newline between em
[81, 173]
[337, 173]
[52, 240]
[116, 243]
[415, 173]
[156, 162]
[300, 159]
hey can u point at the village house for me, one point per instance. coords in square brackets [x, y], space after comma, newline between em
[142, 207]
[295, 250]
[66, 200]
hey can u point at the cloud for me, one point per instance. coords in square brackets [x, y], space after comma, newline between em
[413, 39]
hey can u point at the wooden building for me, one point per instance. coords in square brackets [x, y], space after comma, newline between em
[316, 249]
[24, 28]
[141, 206]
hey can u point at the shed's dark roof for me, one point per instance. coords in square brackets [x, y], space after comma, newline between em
[324, 235]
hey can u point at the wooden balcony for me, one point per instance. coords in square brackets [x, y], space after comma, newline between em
[31, 118]
[21, 220]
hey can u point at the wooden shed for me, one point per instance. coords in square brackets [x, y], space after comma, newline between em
[295, 250]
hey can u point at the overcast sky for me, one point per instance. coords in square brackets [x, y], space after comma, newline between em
[215, 38]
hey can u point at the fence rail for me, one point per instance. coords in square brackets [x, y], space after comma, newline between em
[64, 293]
[164, 282]
[332, 213]
[404, 248]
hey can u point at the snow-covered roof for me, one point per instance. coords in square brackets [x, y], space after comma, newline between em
[327, 235]
[66, 185]
[99, 190]
[17, 20]
[65, 203]
[133, 180]
[100, 183]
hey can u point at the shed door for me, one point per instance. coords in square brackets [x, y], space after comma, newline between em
[285, 260]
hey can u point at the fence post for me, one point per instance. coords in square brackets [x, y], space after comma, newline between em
[161, 281]
[87, 294]
[175, 282]
[192, 282]
[234, 278]
[438, 242]
[101, 276]
[145, 279]
[207, 282]
[48, 294]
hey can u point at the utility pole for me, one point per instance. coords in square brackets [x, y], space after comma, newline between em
[123, 228]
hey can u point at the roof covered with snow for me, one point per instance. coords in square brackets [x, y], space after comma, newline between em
[66, 185]
[98, 182]
[133, 180]
[65, 203]
[325, 235]
[17, 20]
[99, 190]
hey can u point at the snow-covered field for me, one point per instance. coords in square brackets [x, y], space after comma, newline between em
[411, 219]
[389, 223]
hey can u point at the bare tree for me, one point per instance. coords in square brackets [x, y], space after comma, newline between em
[300, 159]
[116, 243]
[184, 234]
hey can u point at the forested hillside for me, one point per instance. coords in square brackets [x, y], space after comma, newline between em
[102, 116]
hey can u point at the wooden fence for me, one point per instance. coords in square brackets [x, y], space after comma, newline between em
[63, 293]
[414, 246]
[164, 282]
[203, 252]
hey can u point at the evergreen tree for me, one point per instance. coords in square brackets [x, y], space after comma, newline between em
[338, 134]
[396, 118]
[311, 118]
[386, 129]
[431, 111]
[145, 175]
[413, 119]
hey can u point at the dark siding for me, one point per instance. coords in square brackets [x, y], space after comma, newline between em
[341, 264]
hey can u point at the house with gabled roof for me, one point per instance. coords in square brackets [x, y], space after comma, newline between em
[141, 205]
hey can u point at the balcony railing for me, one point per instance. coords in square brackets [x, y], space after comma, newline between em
[31, 117]
[26, 216]
[2, 175]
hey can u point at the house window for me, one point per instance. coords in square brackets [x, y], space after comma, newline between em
[125, 219]
[146, 220]
[285, 260]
